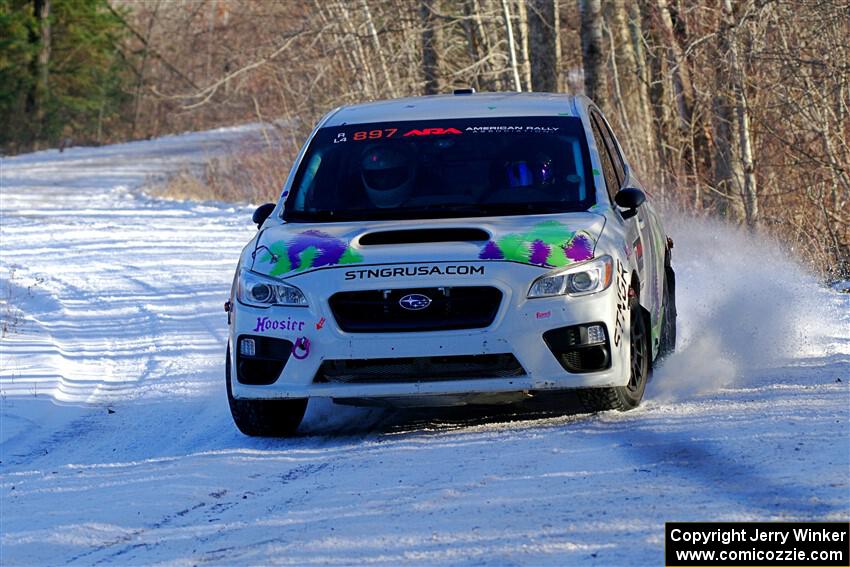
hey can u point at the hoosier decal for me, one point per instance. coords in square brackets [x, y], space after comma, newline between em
[288, 324]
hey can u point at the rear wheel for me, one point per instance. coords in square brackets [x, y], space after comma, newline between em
[668, 327]
[626, 397]
[264, 418]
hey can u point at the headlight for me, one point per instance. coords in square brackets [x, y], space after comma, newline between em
[261, 291]
[590, 277]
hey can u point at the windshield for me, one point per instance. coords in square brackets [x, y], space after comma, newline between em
[443, 168]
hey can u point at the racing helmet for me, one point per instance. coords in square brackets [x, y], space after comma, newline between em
[388, 173]
[537, 170]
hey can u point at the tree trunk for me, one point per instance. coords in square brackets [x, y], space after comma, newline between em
[36, 105]
[472, 44]
[388, 82]
[646, 132]
[621, 68]
[595, 84]
[506, 14]
[658, 96]
[371, 84]
[430, 61]
[728, 173]
[545, 45]
[742, 111]
[473, 11]
[682, 87]
[522, 37]
[140, 83]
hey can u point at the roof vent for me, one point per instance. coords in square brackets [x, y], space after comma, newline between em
[463, 91]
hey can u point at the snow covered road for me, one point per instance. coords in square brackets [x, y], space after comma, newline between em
[116, 445]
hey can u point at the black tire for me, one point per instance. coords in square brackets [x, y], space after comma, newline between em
[264, 418]
[668, 327]
[624, 398]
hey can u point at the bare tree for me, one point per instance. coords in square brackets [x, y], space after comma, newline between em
[595, 84]
[739, 109]
[522, 40]
[742, 112]
[430, 61]
[506, 11]
[728, 169]
[544, 42]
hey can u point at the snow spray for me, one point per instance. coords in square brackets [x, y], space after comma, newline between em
[745, 305]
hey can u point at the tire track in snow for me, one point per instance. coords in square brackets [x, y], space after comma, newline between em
[102, 325]
[733, 428]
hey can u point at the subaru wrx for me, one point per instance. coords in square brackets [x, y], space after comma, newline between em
[453, 249]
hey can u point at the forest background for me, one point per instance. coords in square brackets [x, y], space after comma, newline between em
[734, 109]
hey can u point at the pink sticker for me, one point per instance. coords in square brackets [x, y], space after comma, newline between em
[544, 314]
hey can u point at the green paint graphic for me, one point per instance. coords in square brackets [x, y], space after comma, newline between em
[308, 256]
[549, 243]
[350, 256]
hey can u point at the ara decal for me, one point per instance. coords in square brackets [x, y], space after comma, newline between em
[550, 244]
[432, 132]
[309, 249]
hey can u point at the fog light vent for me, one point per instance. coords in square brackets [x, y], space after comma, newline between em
[595, 334]
[260, 360]
[580, 348]
[247, 347]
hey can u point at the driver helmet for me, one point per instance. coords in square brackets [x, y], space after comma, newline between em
[388, 174]
[539, 170]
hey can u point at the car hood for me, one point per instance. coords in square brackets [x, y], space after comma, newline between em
[547, 241]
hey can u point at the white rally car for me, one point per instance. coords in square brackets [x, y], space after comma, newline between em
[456, 249]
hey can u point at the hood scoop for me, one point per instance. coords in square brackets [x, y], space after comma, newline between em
[424, 236]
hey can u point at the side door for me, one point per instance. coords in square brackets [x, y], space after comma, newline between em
[614, 174]
[646, 241]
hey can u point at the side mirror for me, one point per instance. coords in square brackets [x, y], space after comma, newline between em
[629, 199]
[262, 213]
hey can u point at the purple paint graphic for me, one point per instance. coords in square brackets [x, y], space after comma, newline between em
[539, 252]
[491, 252]
[330, 249]
[580, 248]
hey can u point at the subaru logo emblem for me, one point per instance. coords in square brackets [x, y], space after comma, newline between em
[414, 302]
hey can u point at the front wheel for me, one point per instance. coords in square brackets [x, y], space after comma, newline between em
[264, 418]
[626, 397]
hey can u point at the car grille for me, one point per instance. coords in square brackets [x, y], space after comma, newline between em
[419, 369]
[379, 311]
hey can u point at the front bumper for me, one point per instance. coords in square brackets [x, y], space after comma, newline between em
[517, 329]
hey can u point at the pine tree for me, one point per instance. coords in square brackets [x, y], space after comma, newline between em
[61, 74]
